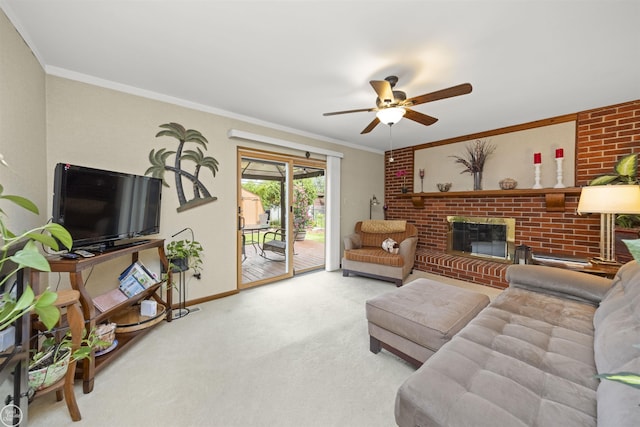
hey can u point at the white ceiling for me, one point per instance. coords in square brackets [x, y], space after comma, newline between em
[285, 63]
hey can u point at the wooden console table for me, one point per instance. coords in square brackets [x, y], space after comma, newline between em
[75, 267]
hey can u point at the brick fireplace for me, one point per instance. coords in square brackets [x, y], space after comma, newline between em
[603, 135]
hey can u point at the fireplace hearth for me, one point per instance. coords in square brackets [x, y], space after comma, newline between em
[482, 237]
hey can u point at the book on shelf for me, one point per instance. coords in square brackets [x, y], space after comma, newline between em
[109, 300]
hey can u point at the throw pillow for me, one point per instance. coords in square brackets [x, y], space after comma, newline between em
[634, 248]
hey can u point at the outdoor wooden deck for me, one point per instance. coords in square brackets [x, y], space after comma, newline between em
[308, 255]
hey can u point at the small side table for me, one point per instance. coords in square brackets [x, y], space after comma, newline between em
[603, 270]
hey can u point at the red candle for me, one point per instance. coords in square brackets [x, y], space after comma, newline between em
[559, 153]
[537, 158]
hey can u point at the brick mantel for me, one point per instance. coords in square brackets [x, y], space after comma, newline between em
[603, 136]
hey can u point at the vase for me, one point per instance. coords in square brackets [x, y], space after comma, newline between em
[477, 181]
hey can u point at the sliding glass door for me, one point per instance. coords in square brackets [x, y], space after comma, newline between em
[280, 217]
[263, 220]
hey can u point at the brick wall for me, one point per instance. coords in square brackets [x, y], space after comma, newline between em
[603, 136]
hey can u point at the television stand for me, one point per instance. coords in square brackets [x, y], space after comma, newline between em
[89, 367]
[115, 246]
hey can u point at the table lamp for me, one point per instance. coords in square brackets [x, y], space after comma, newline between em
[609, 200]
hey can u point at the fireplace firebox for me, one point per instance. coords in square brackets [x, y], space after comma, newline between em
[480, 237]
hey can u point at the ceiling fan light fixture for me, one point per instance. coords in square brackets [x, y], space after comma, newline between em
[391, 115]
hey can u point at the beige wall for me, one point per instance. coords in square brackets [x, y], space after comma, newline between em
[46, 119]
[102, 128]
[22, 127]
[512, 158]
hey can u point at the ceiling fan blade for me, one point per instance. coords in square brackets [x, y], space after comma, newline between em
[370, 127]
[383, 89]
[462, 89]
[360, 110]
[419, 117]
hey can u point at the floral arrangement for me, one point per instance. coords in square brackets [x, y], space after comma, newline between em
[402, 173]
[477, 154]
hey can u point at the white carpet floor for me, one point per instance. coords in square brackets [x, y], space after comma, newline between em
[292, 353]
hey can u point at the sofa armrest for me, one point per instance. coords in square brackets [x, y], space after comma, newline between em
[408, 249]
[352, 241]
[559, 282]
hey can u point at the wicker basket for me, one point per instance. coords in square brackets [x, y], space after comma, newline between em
[107, 333]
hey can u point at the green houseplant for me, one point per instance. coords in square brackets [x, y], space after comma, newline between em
[50, 363]
[28, 256]
[185, 254]
[625, 172]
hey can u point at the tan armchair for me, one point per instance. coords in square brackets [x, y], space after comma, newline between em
[364, 255]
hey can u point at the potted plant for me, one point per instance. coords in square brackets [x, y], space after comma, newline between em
[48, 365]
[185, 254]
[28, 256]
[625, 172]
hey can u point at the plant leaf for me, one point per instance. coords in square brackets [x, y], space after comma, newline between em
[60, 233]
[25, 300]
[46, 298]
[603, 180]
[628, 378]
[29, 256]
[628, 166]
[22, 202]
[45, 239]
[49, 315]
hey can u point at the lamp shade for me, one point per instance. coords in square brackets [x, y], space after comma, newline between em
[391, 115]
[611, 199]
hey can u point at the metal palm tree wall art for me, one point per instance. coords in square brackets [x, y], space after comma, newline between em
[159, 166]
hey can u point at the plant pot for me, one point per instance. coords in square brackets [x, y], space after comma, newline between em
[44, 377]
[179, 264]
[301, 235]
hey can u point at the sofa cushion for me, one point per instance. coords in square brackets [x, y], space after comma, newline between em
[383, 226]
[617, 321]
[525, 360]
[617, 328]
[376, 239]
[618, 403]
[375, 256]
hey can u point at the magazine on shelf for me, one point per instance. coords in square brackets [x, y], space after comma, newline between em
[140, 272]
[130, 286]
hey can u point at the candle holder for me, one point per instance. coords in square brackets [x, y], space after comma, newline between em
[559, 173]
[421, 171]
[537, 176]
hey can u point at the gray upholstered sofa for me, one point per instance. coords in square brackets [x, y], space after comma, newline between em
[531, 356]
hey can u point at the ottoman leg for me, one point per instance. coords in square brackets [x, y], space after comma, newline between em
[374, 345]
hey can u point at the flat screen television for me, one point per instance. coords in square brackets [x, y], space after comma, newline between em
[101, 208]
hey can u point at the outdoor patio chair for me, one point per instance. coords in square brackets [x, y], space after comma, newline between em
[276, 242]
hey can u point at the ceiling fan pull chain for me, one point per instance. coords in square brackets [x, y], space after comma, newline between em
[390, 144]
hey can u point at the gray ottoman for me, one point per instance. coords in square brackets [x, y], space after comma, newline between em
[415, 320]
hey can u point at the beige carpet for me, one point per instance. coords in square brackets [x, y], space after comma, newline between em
[293, 353]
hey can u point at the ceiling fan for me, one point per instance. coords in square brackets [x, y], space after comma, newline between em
[392, 105]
